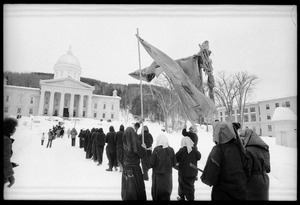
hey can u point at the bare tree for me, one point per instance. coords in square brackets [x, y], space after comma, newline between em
[245, 83]
[166, 98]
[226, 91]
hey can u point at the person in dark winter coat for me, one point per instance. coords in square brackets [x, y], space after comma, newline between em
[148, 140]
[191, 134]
[162, 160]
[258, 183]
[94, 144]
[224, 166]
[9, 128]
[100, 145]
[186, 174]
[86, 140]
[119, 147]
[89, 152]
[133, 186]
[73, 136]
[111, 151]
[50, 138]
[81, 138]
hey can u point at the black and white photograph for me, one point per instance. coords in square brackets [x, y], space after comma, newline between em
[117, 102]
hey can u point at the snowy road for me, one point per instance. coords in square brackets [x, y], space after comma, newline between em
[63, 173]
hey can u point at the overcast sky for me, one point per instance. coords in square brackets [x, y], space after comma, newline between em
[259, 39]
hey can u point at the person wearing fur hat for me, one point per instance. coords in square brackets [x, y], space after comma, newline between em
[162, 161]
[224, 169]
[186, 174]
[258, 184]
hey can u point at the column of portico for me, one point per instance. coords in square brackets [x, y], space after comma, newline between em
[51, 102]
[61, 106]
[71, 105]
[89, 106]
[80, 105]
[42, 102]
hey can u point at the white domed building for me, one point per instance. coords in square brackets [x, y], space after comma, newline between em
[64, 95]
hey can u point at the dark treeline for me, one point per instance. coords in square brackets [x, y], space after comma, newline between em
[130, 94]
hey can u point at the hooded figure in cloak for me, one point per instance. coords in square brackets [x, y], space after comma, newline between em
[133, 186]
[258, 150]
[224, 169]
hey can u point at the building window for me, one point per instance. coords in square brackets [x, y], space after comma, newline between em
[233, 112]
[83, 113]
[287, 104]
[246, 110]
[7, 98]
[268, 116]
[226, 112]
[112, 107]
[84, 103]
[221, 113]
[104, 106]
[19, 110]
[267, 107]
[31, 111]
[6, 109]
[56, 102]
[270, 128]
[283, 104]
[221, 118]
[253, 117]
[276, 104]
[238, 112]
[246, 118]
[112, 116]
[31, 100]
[252, 109]
[45, 111]
[95, 105]
[95, 115]
[103, 115]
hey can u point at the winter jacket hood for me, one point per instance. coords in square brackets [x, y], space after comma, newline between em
[223, 132]
[252, 139]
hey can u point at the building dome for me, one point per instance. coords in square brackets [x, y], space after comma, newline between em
[69, 58]
[67, 66]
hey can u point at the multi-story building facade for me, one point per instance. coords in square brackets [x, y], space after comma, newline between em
[258, 115]
[64, 96]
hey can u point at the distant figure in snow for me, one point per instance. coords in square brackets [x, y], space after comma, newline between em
[43, 138]
[162, 160]
[68, 132]
[50, 138]
[73, 134]
[258, 184]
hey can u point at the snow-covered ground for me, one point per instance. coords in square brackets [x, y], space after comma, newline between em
[63, 173]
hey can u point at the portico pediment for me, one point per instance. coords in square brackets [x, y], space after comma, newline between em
[67, 82]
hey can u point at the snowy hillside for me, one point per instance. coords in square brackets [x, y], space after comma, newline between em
[63, 173]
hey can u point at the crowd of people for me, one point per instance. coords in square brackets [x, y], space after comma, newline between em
[236, 167]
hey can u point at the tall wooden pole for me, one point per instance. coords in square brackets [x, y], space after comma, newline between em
[141, 89]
